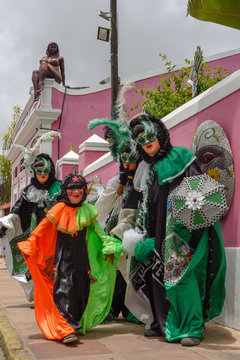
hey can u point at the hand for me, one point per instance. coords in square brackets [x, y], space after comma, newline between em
[125, 176]
[3, 231]
[110, 257]
[123, 179]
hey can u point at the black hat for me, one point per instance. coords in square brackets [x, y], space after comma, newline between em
[73, 181]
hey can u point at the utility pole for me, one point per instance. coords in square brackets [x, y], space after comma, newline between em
[114, 54]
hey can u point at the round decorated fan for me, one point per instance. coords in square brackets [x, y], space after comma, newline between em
[198, 201]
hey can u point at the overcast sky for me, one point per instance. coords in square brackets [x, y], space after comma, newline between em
[146, 28]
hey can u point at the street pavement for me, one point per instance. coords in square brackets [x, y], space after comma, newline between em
[21, 339]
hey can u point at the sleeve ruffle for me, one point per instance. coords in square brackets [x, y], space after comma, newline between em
[111, 245]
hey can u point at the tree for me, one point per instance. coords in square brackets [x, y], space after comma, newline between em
[5, 164]
[173, 90]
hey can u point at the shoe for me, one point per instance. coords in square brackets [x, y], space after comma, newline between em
[190, 341]
[69, 339]
[78, 334]
[109, 319]
[151, 333]
[131, 318]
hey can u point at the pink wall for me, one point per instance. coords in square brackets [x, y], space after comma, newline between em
[105, 173]
[226, 113]
[78, 111]
[87, 157]
[65, 170]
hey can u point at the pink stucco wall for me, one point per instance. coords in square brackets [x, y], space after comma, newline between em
[87, 157]
[65, 170]
[78, 111]
[226, 113]
[105, 173]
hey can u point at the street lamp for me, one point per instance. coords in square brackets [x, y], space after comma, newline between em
[112, 15]
[103, 34]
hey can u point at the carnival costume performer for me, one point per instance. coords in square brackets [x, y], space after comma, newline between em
[73, 265]
[112, 199]
[176, 275]
[109, 205]
[28, 211]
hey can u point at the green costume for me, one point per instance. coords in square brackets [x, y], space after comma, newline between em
[184, 277]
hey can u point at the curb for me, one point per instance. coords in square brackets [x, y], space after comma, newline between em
[10, 340]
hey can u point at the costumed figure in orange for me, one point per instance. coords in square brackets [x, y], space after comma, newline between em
[73, 265]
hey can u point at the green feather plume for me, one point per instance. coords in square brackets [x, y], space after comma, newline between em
[116, 133]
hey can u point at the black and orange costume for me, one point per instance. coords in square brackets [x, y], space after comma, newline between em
[74, 281]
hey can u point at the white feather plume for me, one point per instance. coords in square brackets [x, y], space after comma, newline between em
[30, 154]
[45, 137]
[121, 101]
[130, 239]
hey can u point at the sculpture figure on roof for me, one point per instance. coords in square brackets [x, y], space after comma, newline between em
[51, 66]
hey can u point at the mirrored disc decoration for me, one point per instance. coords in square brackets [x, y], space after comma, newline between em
[198, 201]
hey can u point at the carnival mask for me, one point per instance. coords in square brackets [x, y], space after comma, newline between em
[44, 168]
[149, 133]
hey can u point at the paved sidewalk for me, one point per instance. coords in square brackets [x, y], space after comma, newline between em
[21, 339]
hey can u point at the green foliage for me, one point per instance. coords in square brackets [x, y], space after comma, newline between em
[5, 164]
[71, 147]
[173, 90]
[5, 179]
[224, 12]
[7, 137]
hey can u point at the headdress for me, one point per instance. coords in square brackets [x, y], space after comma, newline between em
[30, 154]
[117, 132]
[152, 128]
[73, 181]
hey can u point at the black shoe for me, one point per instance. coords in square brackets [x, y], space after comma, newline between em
[151, 333]
[78, 334]
[109, 319]
[190, 341]
[69, 338]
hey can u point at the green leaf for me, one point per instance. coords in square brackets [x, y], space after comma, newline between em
[224, 12]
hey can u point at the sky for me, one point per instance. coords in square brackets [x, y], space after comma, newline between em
[145, 29]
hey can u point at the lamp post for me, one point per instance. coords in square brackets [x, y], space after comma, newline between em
[113, 49]
[114, 55]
